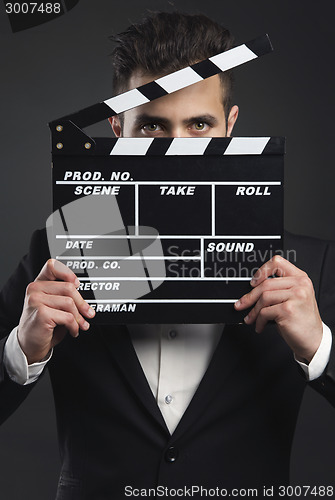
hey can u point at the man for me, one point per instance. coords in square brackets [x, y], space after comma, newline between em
[172, 405]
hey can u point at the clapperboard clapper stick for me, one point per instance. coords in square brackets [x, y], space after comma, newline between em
[168, 84]
[162, 230]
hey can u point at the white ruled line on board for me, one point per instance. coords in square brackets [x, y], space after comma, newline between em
[172, 183]
[163, 301]
[168, 236]
[124, 257]
[213, 209]
[157, 278]
[136, 209]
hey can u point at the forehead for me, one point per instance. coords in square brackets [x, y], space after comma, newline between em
[200, 98]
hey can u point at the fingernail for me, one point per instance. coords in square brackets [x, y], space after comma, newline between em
[238, 304]
[76, 283]
[253, 282]
[246, 319]
[86, 325]
[90, 312]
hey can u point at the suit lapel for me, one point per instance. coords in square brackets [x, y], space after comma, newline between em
[225, 358]
[121, 348]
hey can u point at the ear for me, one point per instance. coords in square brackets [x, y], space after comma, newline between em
[116, 125]
[233, 114]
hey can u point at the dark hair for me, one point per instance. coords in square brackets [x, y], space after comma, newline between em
[165, 42]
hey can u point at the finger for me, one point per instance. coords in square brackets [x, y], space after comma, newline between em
[61, 288]
[53, 317]
[275, 266]
[62, 303]
[267, 299]
[268, 285]
[267, 314]
[55, 270]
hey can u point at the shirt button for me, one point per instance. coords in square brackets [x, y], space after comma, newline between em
[168, 399]
[172, 334]
[171, 454]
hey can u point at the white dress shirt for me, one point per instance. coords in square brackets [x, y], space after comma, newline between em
[174, 358]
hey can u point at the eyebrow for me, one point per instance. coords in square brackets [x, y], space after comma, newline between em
[202, 118]
[144, 117]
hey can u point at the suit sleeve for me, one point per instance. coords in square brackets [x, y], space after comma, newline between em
[11, 303]
[325, 384]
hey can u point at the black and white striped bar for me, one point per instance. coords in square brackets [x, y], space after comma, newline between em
[166, 146]
[170, 83]
[189, 146]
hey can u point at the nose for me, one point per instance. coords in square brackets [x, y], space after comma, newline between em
[178, 132]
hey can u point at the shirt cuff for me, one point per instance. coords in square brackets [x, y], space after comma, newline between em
[318, 363]
[16, 363]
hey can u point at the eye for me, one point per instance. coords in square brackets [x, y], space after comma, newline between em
[199, 126]
[151, 127]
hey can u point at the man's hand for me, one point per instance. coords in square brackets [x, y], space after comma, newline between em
[51, 308]
[289, 300]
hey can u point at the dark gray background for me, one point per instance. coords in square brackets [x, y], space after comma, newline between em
[63, 66]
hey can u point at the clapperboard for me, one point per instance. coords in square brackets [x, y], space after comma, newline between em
[163, 230]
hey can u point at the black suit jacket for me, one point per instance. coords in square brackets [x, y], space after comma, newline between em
[237, 431]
